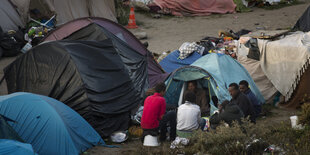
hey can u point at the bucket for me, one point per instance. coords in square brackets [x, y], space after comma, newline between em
[294, 120]
[150, 140]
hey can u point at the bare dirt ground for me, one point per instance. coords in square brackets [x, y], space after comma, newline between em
[168, 33]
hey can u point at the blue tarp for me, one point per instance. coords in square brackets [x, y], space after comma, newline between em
[12, 147]
[226, 70]
[172, 62]
[48, 125]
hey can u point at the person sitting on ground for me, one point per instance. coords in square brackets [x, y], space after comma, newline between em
[154, 117]
[188, 116]
[201, 97]
[242, 101]
[244, 88]
[228, 112]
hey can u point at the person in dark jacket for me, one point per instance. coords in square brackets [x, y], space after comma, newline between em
[242, 101]
[244, 88]
[228, 112]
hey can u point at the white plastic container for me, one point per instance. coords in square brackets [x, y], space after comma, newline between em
[150, 140]
[294, 120]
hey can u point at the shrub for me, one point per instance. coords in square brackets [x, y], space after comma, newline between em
[304, 117]
[228, 140]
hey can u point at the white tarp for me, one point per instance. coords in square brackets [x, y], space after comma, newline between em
[67, 10]
[284, 61]
[9, 18]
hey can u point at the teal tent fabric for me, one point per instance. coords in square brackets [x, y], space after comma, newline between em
[226, 70]
[12, 147]
[188, 73]
[6, 131]
[48, 125]
[213, 72]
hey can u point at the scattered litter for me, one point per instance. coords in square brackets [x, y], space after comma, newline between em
[141, 35]
[119, 136]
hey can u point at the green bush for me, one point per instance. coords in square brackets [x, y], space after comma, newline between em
[304, 117]
[228, 140]
[236, 140]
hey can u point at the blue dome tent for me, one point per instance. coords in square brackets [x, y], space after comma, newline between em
[172, 62]
[214, 72]
[12, 147]
[48, 125]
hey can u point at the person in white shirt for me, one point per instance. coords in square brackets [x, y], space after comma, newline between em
[189, 116]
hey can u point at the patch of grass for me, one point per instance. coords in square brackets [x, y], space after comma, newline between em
[267, 110]
[304, 117]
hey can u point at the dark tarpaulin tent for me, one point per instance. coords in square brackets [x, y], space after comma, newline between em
[88, 76]
[126, 38]
[134, 61]
[303, 23]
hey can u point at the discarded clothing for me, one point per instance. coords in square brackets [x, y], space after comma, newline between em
[178, 141]
[188, 48]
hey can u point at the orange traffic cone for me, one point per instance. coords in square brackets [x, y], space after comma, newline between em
[132, 20]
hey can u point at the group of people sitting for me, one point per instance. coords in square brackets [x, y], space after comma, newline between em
[188, 116]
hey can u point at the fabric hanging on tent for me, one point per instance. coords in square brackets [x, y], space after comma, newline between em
[284, 61]
[262, 82]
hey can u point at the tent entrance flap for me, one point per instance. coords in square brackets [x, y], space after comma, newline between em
[190, 74]
[176, 90]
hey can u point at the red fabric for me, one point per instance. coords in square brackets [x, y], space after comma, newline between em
[197, 7]
[154, 109]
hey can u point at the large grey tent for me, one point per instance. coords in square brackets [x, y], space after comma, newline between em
[303, 23]
[67, 10]
[10, 19]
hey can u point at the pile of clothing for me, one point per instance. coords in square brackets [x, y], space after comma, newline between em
[226, 44]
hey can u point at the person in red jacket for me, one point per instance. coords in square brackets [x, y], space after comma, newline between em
[154, 115]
